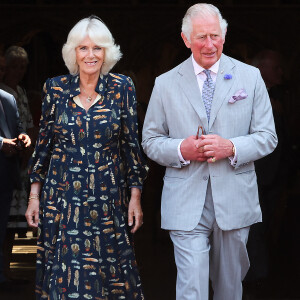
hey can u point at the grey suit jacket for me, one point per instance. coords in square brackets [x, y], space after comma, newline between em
[10, 127]
[176, 110]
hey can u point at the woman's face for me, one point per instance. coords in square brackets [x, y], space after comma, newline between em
[15, 70]
[89, 57]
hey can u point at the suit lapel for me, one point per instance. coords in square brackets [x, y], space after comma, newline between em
[190, 88]
[3, 121]
[223, 86]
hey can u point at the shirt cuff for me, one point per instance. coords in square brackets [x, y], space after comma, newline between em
[233, 159]
[183, 162]
[1, 142]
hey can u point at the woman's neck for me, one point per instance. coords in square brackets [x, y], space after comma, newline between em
[89, 81]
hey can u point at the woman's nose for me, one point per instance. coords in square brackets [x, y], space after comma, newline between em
[91, 53]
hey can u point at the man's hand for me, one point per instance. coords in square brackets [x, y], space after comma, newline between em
[9, 146]
[189, 150]
[25, 139]
[214, 147]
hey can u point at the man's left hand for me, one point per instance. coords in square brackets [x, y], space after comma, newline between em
[214, 147]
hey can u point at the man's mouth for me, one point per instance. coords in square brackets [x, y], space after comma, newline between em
[209, 54]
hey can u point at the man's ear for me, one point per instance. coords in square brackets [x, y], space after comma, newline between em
[186, 41]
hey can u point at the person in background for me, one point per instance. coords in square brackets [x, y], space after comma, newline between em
[207, 121]
[16, 60]
[86, 175]
[2, 68]
[13, 140]
[272, 175]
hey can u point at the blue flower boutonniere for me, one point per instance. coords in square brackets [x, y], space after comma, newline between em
[227, 76]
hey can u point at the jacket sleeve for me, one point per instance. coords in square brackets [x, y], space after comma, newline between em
[134, 162]
[157, 143]
[40, 160]
[262, 138]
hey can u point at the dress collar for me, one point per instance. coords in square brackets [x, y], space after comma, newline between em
[75, 88]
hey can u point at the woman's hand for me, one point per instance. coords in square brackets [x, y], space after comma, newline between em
[135, 213]
[32, 212]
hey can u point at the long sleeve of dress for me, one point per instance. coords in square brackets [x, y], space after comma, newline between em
[41, 157]
[135, 165]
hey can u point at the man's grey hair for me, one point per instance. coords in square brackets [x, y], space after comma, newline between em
[201, 10]
[98, 32]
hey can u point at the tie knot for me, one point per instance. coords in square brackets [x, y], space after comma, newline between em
[207, 73]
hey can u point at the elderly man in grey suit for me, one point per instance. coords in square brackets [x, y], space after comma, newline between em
[210, 197]
[12, 140]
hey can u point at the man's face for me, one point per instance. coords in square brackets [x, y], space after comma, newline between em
[206, 42]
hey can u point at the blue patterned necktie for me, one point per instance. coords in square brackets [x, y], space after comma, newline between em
[208, 92]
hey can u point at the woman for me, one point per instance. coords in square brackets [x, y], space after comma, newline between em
[87, 157]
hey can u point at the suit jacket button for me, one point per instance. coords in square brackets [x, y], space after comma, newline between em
[205, 177]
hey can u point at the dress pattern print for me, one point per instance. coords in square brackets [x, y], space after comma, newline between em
[86, 162]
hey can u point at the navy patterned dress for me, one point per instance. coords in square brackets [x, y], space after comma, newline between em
[86, 162]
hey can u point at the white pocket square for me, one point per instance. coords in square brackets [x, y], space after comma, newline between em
[239, 95]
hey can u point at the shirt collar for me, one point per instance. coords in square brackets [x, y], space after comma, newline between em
[198, 69]
[75, 88]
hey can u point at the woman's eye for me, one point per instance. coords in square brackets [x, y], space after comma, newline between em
[98, 48]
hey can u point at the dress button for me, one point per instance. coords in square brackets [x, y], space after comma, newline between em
[205, 177]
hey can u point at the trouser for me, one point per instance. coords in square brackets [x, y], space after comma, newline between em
[207, 251]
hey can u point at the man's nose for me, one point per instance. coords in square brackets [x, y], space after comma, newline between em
[209, 42]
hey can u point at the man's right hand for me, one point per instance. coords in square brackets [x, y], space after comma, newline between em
[189, 151]
[9, 146]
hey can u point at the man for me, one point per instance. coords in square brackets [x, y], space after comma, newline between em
[12, 140]
[210, 197]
